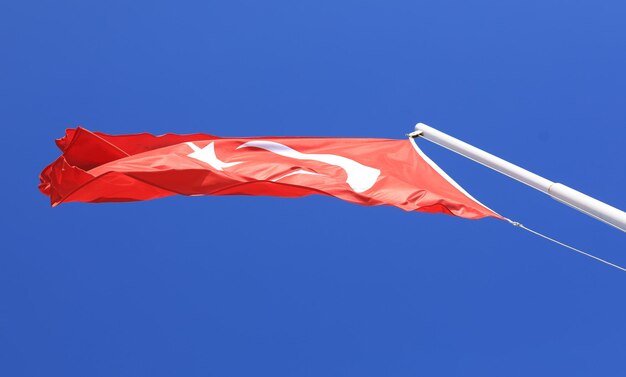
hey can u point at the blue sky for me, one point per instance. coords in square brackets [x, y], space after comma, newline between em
[240, 286]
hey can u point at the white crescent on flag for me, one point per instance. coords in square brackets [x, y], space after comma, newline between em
[360, 177]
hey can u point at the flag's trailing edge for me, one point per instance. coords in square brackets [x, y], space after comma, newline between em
[96, 167]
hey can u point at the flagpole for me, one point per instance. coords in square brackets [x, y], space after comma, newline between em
[558, 191]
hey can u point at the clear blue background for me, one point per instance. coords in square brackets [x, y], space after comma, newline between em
[254, 286]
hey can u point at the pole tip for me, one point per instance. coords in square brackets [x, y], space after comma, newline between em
[420, 126]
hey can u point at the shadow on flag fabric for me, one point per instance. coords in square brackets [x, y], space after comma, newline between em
[96, 167]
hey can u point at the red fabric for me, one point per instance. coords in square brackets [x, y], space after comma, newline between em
[96, 167]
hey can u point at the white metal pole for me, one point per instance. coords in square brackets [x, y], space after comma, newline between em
[562, 193]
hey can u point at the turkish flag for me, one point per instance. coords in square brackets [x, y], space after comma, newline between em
[97, 167]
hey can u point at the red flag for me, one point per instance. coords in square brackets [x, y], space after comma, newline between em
[96, 167]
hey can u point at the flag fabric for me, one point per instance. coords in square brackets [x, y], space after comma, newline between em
[96, 167]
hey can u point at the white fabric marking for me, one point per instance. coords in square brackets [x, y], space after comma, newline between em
[207, 154]
[360, 177]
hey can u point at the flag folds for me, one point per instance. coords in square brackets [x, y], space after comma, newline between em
[97, 167]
